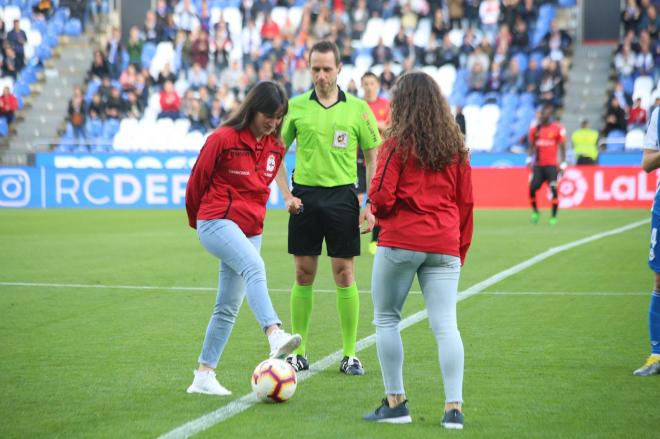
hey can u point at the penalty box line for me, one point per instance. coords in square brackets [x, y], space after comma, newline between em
[245, 402]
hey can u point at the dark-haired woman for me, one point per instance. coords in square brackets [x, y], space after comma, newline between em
[421, 196]
[226, 202]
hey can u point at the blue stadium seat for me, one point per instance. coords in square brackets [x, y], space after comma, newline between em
[62, 14]
[615, 141]
[29, 75]
[100, 147]
[40, 25]
[73, 27]
[475, 98]
[546, 13]
[21, 88]
[527, 99]
[148, 52]
[110, 128]
[509, 101]
[500, 143]
[523, 61]
[4, 128]
[64, 146]
[456, 100]
[44, 52]
[628, 82]
[93, 128]
[567, 3]
[56, 26]
[506, 119]
[68, 132]
[92, 88]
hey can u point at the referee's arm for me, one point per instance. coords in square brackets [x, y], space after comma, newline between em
[370, 156]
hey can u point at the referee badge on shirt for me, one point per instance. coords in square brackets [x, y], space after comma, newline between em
[340, 139]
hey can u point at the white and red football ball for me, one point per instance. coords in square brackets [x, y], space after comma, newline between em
[274, 380]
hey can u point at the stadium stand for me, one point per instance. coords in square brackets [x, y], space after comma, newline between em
[498, 60]
[636, 71]
[29, 32]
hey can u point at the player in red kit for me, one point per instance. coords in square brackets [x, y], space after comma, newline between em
[381, 109]
[546, 139]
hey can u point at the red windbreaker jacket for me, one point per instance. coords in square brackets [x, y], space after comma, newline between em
[419, 209]
[231, 179]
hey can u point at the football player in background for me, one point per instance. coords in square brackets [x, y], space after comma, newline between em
[546, 139]
[380, 106]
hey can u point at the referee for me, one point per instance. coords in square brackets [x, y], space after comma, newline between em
[328, 125]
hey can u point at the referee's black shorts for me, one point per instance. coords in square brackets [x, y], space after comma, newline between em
[328, 213]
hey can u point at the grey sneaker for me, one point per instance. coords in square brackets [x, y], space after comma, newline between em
[453, 419]
[298, 362]
[387, 414]
[651, 367]
[351, 366]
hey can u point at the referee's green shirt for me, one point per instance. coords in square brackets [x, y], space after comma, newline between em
[327, 138]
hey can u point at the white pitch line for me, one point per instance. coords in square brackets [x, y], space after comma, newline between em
[288, 290]
[235, 407]
[565, 293]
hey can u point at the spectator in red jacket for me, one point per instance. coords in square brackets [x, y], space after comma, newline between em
[8, 105]
[421, 196]
[637, 116]
[170, 103]
[269, 30]
[226, 202]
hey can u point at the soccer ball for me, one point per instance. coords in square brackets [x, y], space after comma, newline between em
[274, 380]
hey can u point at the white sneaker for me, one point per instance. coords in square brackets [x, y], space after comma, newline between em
[205, 382]
[282, 343]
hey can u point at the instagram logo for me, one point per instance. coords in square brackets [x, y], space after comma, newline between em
[14, 188]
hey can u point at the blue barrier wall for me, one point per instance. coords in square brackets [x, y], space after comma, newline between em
[151, 180]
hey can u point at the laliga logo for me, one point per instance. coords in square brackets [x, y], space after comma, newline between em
[572, 188]
[14, 188]
[270, 165]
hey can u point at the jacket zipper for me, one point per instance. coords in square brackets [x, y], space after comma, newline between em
[229, 205]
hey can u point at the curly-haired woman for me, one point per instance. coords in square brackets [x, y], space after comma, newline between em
[421, 196]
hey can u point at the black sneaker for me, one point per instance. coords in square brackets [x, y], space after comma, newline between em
[453, 419]
[298, 362]
[351, 366]
[396, 415]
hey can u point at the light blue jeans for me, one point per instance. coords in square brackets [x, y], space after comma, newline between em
[241, 269]
[393, 273]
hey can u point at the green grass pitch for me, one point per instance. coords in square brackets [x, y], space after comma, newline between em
[543, 357]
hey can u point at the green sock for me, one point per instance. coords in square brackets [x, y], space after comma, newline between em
[302, 299]
[348, 306]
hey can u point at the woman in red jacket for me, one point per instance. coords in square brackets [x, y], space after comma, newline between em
[421, 196]
[226, 202]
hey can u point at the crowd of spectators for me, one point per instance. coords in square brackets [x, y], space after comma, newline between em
[636, 63]
[216, 60]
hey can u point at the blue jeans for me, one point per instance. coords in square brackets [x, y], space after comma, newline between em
[241, 269]
[393, 273]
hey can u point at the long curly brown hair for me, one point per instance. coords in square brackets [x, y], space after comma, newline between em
[422, 122]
